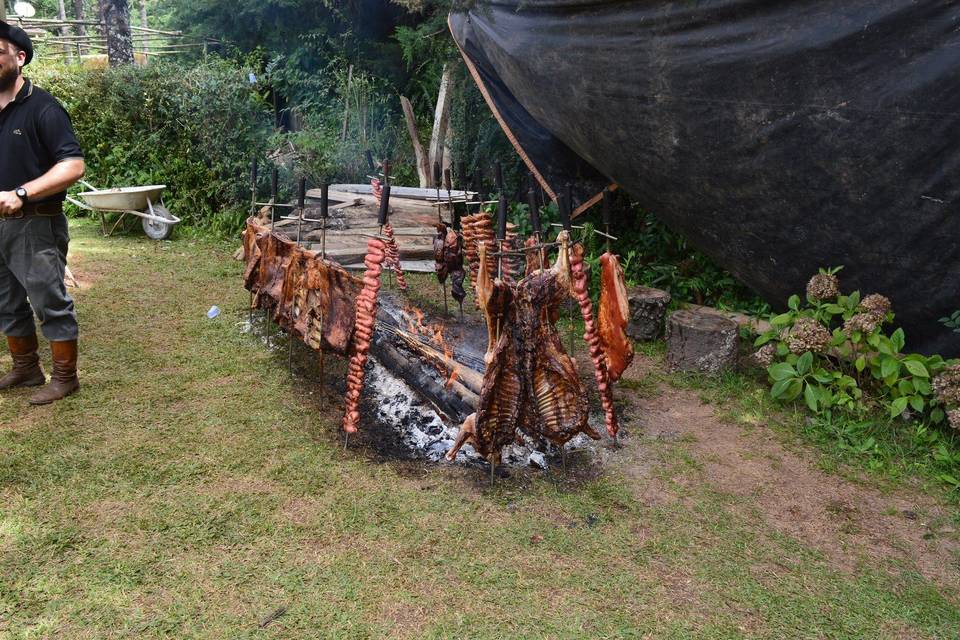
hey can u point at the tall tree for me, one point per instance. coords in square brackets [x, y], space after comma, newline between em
[115, 21]
[78, 15]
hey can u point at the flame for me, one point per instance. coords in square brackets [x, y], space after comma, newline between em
[434, 334]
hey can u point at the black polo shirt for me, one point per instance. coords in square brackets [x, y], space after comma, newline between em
[35, 134]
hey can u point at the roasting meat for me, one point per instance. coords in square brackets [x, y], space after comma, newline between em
[310, 297]
[581, 293]
[530, 384]
[536, 258]
[476, 229]
[377, 187]
[494, 297]
[453, 259]
[612, 316]
[554, 402]
[439, 252]
[494, 424]
[366, 318]
[393, 256]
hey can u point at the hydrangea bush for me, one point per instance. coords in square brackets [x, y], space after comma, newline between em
[837, 353]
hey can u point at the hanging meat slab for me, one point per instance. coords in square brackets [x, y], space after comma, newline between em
[453, 259]
[612, 316]
[581, 293]
[310, 297]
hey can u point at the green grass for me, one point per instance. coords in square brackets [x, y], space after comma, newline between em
[192, 489]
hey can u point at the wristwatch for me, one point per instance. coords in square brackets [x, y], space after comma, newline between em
[22, 194]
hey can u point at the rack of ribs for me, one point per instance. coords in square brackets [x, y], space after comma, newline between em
[554, 401]
[612, 316]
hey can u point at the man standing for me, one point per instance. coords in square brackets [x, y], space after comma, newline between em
[39, 159]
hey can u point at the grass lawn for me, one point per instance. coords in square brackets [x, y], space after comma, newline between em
[193, 489]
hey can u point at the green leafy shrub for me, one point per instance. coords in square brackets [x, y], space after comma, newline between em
[833, 351]
[192, 128]
[952, 321]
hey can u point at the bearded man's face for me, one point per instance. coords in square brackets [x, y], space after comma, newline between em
[9, 65]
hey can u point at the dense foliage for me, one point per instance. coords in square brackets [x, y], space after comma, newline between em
[187, 126]
[834, 351]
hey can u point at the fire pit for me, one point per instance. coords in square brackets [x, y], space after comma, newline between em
[500, 388]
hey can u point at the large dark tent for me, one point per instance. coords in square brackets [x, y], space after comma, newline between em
[779, 136]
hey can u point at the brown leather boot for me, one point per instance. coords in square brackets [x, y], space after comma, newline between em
[26, 370]
[63, 380]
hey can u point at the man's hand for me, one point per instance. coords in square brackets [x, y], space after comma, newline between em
[10, 203]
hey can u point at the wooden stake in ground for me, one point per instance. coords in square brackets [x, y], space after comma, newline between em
[423, 161]
[346, 104]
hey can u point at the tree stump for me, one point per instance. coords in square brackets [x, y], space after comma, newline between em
[701, 341]
[648, 309]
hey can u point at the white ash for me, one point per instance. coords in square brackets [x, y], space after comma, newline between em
[426, 435]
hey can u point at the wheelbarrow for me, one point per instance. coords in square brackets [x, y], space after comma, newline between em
[157, 220]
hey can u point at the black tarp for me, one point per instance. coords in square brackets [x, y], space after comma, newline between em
[778, 136]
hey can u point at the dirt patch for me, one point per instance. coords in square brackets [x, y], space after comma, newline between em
[846, 522]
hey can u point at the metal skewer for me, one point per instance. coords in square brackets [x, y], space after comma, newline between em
[301, 197]
[324, 212]
[564, 205]
[253, 212]
[273, 222]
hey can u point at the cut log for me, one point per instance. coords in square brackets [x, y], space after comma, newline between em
[701, 341]
[648, 310]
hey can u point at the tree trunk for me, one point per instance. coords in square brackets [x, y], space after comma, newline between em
[81, 30]
[441, 117]
[143, 23]
[62, 16]
[115, 21]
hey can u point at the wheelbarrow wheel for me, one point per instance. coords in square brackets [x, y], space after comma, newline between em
[158, 230]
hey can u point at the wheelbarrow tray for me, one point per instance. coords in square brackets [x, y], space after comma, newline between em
[123, 198]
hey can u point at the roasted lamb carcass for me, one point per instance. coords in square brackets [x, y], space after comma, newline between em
[534, 257]
[494, 424]
[365, 319]
[554, 402]
[316, 299]
[581, 292]
[251, 254]
[612, 316]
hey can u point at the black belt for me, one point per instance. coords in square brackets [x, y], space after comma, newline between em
[38, 209]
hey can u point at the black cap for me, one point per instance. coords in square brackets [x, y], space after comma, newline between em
[18, 37]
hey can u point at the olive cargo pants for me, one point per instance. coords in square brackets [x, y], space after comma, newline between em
[33, 256]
